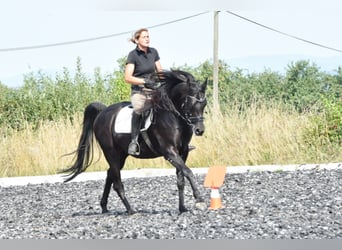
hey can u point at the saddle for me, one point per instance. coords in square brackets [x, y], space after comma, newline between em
[123, 120]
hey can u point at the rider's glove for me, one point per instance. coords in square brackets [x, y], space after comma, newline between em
[150, 84]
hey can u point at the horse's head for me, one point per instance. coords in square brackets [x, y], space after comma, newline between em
[193, 106]
[188, 97]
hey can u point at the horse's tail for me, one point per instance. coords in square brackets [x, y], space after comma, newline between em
[84, 152]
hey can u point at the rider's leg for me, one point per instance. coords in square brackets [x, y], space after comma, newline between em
[138, 100]
[134, 148]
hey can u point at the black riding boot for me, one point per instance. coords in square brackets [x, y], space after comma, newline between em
[134, 148]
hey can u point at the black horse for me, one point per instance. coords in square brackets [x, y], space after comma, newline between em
[178, 113]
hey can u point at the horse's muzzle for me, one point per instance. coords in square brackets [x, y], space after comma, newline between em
[199, 132]
[199, 128]
[197, 123]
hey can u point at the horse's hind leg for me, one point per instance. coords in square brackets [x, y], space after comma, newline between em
[119, 188]
[106, 191]
[114, 177]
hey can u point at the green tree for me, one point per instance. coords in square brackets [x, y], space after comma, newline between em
[335, 85]
[118, 88]
[304, 85]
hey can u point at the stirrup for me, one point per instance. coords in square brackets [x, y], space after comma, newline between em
[134, 148]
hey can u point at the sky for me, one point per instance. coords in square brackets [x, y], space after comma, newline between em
[182, 35]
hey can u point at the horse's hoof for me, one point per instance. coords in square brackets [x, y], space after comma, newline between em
[183, 210]
[131, 212]
[201, 206]
[105, 211]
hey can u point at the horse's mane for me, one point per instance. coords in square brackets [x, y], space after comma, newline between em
[175, 76]
[171, 81]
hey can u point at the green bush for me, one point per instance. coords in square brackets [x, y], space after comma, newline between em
[330, 122]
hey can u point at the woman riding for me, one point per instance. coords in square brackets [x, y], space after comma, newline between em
[141, 62]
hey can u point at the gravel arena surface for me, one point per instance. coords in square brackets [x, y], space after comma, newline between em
[301, 204]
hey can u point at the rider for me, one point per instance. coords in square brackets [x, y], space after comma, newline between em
[141, 61]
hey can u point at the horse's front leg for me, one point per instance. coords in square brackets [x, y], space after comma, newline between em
[184, 171]
[180, 186]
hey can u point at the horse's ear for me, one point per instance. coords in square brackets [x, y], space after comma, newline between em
[204, 85]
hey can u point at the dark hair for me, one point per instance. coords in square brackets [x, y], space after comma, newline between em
[136, 34]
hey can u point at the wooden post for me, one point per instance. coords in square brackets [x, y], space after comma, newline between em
[216, 106]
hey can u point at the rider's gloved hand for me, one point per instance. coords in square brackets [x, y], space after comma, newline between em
[150, 84]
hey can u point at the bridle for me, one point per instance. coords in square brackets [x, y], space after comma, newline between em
[188, 116]
[184, 112]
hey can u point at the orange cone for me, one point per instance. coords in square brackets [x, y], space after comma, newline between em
[214, 180]
[215, 199]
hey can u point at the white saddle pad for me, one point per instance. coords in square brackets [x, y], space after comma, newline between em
[123, 121]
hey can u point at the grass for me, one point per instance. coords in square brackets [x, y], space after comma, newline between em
[260, 135]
